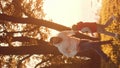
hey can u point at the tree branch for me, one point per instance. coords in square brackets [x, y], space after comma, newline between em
[39, 22]
[22, 50]
[42, 22]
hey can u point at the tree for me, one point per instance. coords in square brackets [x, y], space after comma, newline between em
[23, 31]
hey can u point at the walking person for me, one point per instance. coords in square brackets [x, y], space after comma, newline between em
[69, 46]
[92, 27]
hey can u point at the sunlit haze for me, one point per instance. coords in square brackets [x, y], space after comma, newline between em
[69, 12]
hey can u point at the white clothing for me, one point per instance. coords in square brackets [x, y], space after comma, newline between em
[86, 29]
[69, 44]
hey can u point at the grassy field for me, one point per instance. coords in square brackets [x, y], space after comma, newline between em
[111, 7]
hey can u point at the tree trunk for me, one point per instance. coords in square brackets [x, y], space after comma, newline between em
[41, 22]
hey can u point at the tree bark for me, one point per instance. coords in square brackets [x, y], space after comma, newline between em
[22, 50]
[42, 22]
[39, 22]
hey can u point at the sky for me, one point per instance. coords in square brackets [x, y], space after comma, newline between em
[69, 12]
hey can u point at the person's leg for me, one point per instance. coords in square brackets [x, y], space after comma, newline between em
[101, 29]
[84, 44]
[102, 54]
[95, 45]
[109, 21]
[99, 43]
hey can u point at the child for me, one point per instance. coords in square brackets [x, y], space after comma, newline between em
[92, 27]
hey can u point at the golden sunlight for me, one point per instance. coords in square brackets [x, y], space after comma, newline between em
[69, 12]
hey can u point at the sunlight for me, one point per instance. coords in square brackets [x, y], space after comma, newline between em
[69, 12]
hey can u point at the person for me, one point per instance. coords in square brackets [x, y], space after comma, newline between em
[92, 27]
[69, 45]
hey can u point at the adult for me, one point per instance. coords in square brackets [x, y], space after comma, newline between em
[69, 46]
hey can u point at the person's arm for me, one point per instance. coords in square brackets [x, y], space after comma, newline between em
[69, 32]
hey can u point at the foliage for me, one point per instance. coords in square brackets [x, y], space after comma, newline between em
[111, 7]
[9, 30]
[27, 35]
[32, 33]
